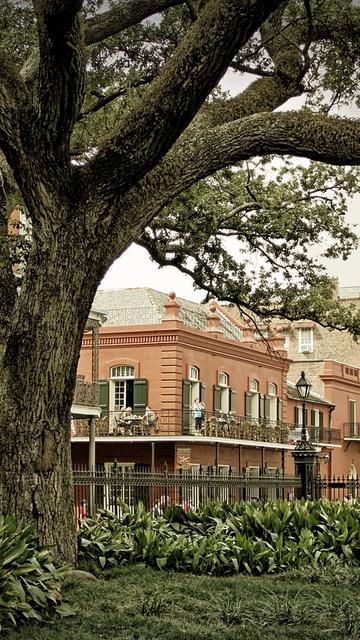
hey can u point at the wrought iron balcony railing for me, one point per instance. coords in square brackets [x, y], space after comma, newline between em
[86, 393]
[212, 424]
[352, 430]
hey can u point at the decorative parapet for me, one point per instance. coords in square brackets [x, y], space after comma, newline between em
[172, 308]
[213, 320]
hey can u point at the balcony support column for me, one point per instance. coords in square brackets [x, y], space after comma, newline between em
[153, 457]
[95, 360]
[92, 463]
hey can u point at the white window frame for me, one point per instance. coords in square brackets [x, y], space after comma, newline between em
[254, 388]
[306, 346]
[120, 374]
[272, 389]
[223, 382]
[194, 373]
[352, 425]
[286, 334]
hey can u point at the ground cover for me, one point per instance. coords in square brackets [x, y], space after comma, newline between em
[140, 603]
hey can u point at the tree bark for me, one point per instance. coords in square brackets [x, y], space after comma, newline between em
[38, 364]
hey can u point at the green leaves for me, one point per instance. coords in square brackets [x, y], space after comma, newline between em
[223, 539]
[29, 583]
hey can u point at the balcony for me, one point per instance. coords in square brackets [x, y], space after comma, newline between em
[86, 393]
[351, 430]
[170, 423]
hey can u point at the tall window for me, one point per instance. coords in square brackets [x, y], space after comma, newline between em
[306, 340]
[286, 334]
[271, 403]
[224, 391]
[122, 387]
[254, 399]
[352, 417]
[195, 391]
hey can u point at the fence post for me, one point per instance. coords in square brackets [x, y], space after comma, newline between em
[115, 473]
[165, 471]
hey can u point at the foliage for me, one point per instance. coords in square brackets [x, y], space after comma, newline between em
[225, 540]
[29, 583]
[257, 233]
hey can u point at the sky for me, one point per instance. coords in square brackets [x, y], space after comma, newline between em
[135, 269]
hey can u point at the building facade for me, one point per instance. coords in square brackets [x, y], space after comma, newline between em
[189, 385]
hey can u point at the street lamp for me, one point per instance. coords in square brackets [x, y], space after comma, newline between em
[304, 453]
[303, 387]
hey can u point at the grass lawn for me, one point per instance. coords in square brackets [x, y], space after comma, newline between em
[138, 603]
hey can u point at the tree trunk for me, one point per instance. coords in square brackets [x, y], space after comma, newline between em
[38, 365]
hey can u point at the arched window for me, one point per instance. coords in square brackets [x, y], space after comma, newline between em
[194, 373]
[272, 389]
[122, 386]
[223, 379]
[122, 371]
[254, 386]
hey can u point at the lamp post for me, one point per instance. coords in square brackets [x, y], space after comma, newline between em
[304, 452]
[303, 387]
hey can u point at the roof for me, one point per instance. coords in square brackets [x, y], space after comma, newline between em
[143, 305]
[313, 397]
[348, 292]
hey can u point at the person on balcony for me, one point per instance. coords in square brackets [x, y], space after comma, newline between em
[199, 413]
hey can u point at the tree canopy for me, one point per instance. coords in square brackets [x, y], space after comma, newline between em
[115, 128]
[131, 61]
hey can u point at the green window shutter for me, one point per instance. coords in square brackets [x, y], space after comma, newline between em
[217, 398]
[203, 392]
[312, 417]
[248, 404]
[140, 395]
[279, 410]
[104, 395]
[232, 400]
[186, 405]
[267, 407]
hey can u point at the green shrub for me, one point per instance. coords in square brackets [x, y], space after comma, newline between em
[29, 582]
[228, 539]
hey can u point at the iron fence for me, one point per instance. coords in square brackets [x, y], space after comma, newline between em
[336, 487]
[108, 489]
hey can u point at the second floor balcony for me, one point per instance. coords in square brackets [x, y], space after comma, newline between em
[351, 430]
[170, 423]
[86, 393]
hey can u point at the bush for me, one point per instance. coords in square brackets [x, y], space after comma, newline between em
[223, 539]
[29, 582]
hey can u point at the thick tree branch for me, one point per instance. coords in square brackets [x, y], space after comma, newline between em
[150, 129]
[124, 15]
[12, 97]
[301, 134]
[61, 71]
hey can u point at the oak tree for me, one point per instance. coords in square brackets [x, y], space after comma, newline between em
[108, 113]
